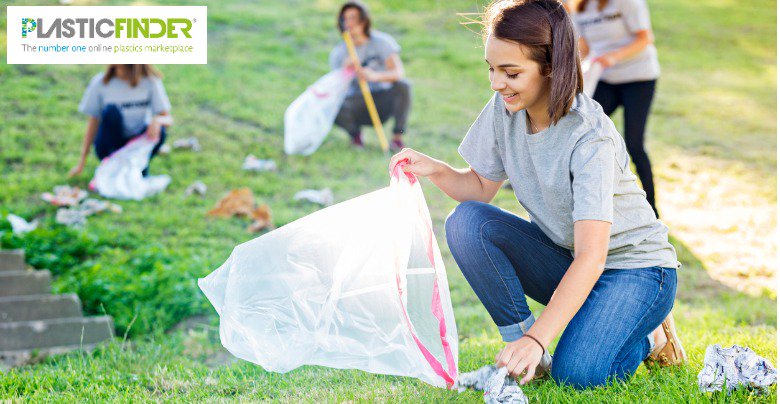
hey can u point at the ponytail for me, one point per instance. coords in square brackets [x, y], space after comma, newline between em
[565, 69]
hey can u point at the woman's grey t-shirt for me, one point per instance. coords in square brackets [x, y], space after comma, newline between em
[138, 104]
[372, 54]
[577, 169]
[615, 27]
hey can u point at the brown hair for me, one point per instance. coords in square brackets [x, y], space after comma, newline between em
[581, 4]
[137, 72]
[545, 29]
[362, 10]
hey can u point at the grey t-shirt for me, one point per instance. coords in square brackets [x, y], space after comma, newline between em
[372, 54]
[137, 104]
[615, 27]
[577, 169]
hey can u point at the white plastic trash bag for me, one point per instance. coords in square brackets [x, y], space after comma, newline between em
[358, 285]
[591, 74]
[119, 175]
[309, 118]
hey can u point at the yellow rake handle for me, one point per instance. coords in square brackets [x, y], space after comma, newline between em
[366, 94]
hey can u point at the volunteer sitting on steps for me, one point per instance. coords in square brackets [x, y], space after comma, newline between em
[381, 67]
[124, 102]
[593, 252]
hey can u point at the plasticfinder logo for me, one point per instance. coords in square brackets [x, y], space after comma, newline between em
[106, 34]
[107, 28]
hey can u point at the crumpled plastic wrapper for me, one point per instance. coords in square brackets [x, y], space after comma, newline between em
[196, 188]
[90, 206]
[77, 216]
[190, 143]
[65, 195]
[21, 226]
[497, 386]
[733, 367]
[252, 163]
[323, 197]
[71, 218]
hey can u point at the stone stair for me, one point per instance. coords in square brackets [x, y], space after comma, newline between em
[34, 323]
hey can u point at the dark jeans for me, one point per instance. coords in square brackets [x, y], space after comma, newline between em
[636, 99]
[506, 258]
[393, 102]
[110, 135]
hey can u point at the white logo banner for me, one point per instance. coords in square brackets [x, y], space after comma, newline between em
[107, 35]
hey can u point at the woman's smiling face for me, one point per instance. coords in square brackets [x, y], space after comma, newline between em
[516, 77]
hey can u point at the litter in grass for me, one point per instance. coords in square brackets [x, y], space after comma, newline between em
[76, 216]
[252, 163]
[196, 188]
[65, 195]
[20, 226]
[188, 143]
[733, 367]
[497, 386]
[323, 197]
[241, 203]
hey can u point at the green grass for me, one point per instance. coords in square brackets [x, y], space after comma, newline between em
[711, 138]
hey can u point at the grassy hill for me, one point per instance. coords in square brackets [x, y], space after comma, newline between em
[711, 139]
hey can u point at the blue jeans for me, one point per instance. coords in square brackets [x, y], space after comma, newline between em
[506, 258]
[110, 134]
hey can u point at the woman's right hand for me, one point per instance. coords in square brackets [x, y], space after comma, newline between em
[419, 164]
[75, 171]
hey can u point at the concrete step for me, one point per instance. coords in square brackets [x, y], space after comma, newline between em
[39, 307]
[17, 283]
[64, 332]
[10, 359]
[12, 260]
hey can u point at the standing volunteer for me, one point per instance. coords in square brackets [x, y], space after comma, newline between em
[381, 67]
[124, 102]
[594, 253]
[618, 35]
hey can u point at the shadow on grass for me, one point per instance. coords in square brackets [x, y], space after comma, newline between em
[696, 287]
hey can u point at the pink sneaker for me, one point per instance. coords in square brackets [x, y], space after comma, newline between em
[396, 145]
[357, 141]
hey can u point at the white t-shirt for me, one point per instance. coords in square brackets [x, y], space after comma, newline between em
[137, 104]
[372, 54]
[615, 27]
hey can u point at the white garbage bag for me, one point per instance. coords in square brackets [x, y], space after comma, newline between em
[591, 74]
[309, 118]
[358, 285]
[119, 175]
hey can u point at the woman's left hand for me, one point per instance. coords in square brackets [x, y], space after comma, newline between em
[522, 355]
[607, 60]
[367, 74]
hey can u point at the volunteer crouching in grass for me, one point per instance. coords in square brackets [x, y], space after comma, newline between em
[381, 67]
[594, 252]
[124, 102]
